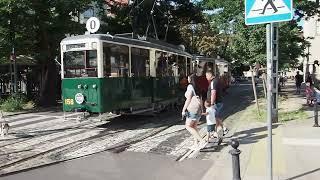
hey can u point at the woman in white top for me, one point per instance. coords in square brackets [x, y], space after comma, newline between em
[192, 119]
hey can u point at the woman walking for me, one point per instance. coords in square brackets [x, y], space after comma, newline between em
[192, 111]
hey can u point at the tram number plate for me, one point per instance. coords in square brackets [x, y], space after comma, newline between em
[68, 102]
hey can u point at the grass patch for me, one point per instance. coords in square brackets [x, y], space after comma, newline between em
[293, 115]
[282, 116]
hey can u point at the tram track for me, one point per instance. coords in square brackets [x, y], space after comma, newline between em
[159, 126]
[30, 133]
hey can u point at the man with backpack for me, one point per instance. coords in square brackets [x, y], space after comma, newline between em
[214, 94]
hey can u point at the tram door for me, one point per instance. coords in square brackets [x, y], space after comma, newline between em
[140, 76]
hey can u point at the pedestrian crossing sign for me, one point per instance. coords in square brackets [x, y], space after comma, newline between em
[268, 11]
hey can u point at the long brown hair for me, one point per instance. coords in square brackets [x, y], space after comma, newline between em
[193, 82]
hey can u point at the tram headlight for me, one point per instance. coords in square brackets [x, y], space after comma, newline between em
[79, 97]
[94, 86]
[79, 86]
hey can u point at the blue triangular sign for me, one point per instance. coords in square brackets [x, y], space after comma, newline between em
[267, 11]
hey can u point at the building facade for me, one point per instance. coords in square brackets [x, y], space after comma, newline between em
[311, 29]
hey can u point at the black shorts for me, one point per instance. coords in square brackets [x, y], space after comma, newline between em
[211, 128]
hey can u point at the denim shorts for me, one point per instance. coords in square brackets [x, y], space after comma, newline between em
[211, 128]
[218, 107]
[192, 116]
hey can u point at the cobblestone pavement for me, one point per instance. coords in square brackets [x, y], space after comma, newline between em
[42, 138]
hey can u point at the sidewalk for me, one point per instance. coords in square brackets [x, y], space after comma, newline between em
[295, 147]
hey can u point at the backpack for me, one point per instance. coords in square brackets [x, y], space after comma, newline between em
[195, 104]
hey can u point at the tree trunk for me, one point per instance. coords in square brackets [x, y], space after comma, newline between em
[49, 90]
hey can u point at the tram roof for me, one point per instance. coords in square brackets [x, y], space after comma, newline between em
[210, 59]
[202, 58]
[222, 61]
[150, 43]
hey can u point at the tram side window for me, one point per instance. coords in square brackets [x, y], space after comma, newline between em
[140, 63]
[201, 68]
[162, 64]
[182, 66]
[172, 65]
[189, 66]
[115, 60]
[218, 70]
[80, 64]
[210, 66]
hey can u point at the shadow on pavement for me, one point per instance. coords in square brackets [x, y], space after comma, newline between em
[253, 135]
[304, 174]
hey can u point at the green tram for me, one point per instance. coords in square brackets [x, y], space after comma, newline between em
[105, 73]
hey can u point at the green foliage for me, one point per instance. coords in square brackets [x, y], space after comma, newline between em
[36, 29]
[175, 15]
[283, 116]
[293, 115]
[247, 44]
[14, 103]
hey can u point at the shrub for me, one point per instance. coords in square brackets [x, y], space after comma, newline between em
[14, 103]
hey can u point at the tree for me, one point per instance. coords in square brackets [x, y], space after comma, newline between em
[14, 23]
[38, 26]
[246, 44]
[168, 18]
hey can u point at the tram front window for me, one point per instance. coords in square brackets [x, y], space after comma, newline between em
[80, 64]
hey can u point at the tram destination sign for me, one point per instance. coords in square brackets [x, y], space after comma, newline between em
[75, 46]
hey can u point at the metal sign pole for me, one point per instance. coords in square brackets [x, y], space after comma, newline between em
[275, 48]
[269, 98]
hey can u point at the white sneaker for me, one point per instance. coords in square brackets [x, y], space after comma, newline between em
[225, 131]
[215, 135]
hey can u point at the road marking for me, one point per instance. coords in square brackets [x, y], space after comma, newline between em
[301, 142]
